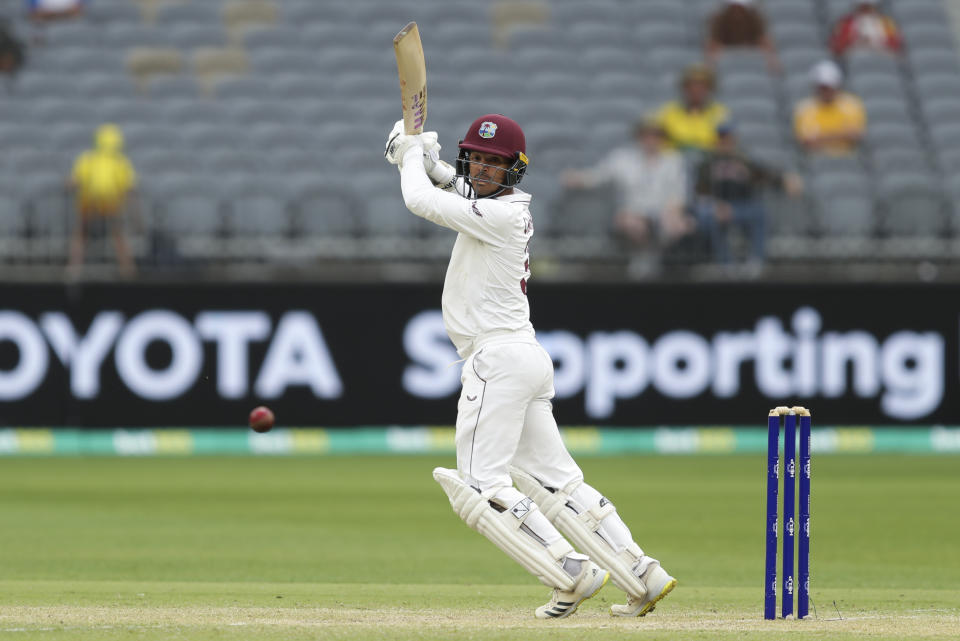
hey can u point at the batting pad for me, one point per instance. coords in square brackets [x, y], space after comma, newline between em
[582, 526]
[504, 530]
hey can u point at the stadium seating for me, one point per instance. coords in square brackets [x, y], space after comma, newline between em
[265, 118]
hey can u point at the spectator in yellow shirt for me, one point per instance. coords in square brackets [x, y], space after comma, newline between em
[691, 122]
[102, 179]
[831, 121]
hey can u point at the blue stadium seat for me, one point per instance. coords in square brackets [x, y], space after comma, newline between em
[167, 86]
[275, 59]
[446, 36]
[150, 162]
[945, 135]
[793, 35]
[129, 110]
[846, 214]
[123, 36]
[297, 87]
[222, 162]
[321, 207]
[32, 87]
[603, 58]
[197, 13]
[883, 109]
[151, 136]
[671, 58]
[937, 85]
[889, 160]
[52, 112]
[15, 136]
[742, 61]
[231, 88]
[72, 33]
[191, 110]
[619, 84]
[657, 35]
[279, 135]
[799, 60]
[256, 207]
[874, 84]
[892, 134]
[913, 205]
[565, 14]
[932, 35]
[98, 86]
[104, 12]
[747, 84]
[919, 12]
[189, 206]
[45, 162]
[72, 137]
[585, 34]
[77, 60]
[47, 205]
[281, 36]
[219, 136]
[324, 35]
[188, 35]
[789, 11]
[935, 60]
[861, 61]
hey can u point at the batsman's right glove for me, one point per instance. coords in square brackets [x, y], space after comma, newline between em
[398, 143]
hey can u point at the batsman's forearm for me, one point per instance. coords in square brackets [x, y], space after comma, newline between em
[419, 194]
[442, 175]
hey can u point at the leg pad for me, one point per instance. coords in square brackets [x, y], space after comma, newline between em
[505, 530]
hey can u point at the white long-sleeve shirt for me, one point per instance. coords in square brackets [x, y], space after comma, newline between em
[484, 292]
[645, 184]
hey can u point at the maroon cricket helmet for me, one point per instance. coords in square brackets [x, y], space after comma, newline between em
[495, 134]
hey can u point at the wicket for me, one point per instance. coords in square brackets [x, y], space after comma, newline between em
[789, 418]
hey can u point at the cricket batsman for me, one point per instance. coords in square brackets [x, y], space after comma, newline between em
[515, 482]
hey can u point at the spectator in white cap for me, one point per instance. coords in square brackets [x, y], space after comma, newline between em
[831, 121]
[739, 24]
[865, 27]
[44, 10]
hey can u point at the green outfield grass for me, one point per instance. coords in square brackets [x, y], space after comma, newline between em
[367, 548]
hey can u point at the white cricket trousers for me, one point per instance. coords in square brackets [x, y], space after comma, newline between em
[505, 417]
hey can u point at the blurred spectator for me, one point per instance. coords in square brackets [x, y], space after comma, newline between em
[865, 27]
[11, 49]
[103, 179]
[831, 121]
[54, 9]
[728, 187]
[739, 24]
[651, 186]
[691, 122]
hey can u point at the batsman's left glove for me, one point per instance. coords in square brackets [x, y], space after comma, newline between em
[398, 143]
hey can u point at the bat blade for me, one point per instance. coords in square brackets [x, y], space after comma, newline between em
[413, 78]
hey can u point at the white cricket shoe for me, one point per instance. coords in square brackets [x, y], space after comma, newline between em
[564, 603]
[658, 583]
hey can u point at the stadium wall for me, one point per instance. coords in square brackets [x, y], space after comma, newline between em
[138, 356]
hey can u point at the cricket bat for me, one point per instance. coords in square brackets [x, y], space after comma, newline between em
[413, 78]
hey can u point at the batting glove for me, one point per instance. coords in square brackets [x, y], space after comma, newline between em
[398, 143]
[441, 173]
[431, 150]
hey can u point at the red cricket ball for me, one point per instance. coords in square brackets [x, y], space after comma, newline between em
[261, 419]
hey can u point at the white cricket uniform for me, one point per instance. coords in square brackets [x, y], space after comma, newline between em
[504, 415]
